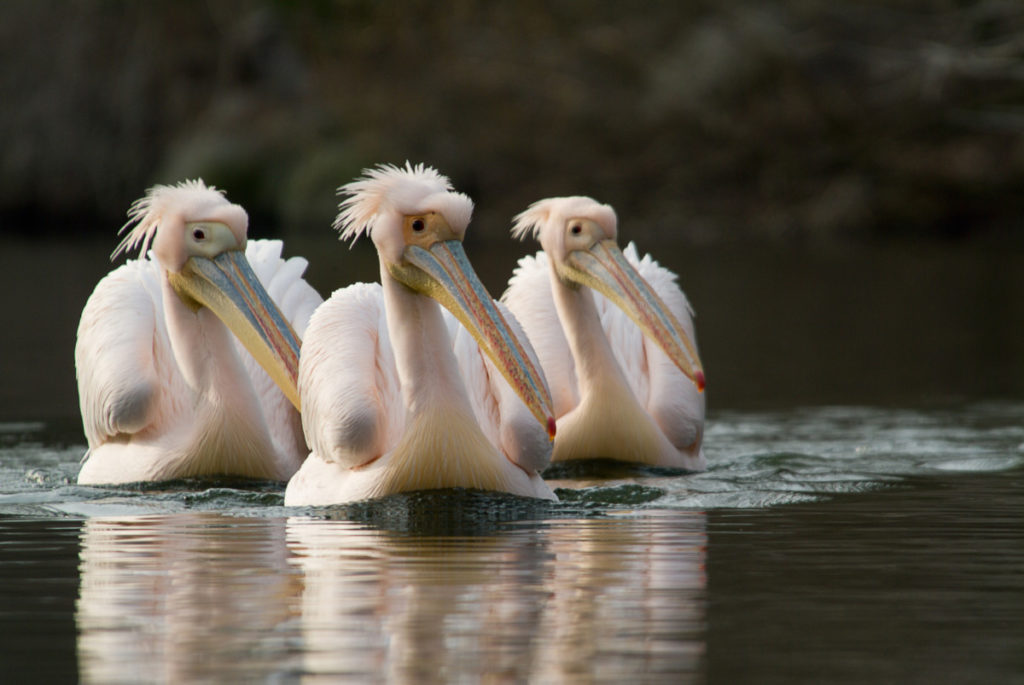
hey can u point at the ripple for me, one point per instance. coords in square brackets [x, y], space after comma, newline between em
[619, 494]
[756, 459]
[735, 500]
[22, 427]
[982, 464]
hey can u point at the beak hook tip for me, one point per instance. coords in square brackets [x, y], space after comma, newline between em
[551, 428]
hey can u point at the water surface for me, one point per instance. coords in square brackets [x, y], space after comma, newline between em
[835, 544]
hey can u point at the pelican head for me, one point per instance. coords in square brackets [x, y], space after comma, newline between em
[417, 222]
[199, 238]
[579, 236]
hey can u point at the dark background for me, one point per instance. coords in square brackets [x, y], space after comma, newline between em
[837, 183]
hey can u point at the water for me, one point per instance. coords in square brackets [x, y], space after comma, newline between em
[874, 536]
[830, 544]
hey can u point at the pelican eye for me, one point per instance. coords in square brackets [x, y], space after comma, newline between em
[418, 225]
[198, 234]
[576, 229]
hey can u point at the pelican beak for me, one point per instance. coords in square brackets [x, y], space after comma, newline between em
[444, 273]
[604, 268]
[228, 287]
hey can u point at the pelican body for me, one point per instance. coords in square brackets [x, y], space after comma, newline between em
[187, 358]
[399, 394]
[614, 334]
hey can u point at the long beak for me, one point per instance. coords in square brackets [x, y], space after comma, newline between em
[604, 268]
[444, 273]
[228, 287]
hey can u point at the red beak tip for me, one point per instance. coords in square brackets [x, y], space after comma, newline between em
[551, 428]
[699, 379]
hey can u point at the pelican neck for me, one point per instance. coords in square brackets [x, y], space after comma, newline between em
[427, 369]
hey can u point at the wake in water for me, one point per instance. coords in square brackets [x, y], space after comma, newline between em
[755, 459]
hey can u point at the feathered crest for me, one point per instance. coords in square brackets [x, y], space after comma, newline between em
[408, 190]
[536, 215]
[146, 212]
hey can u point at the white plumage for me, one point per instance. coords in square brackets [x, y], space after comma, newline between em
[397, 396]
[165, 389]
[616, 392]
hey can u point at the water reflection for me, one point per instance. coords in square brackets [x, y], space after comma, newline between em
[183, 598]
[205, 596]
[581, 600]
[417, 609]
[627, 599]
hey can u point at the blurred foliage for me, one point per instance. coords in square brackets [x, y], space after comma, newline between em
[810, 120]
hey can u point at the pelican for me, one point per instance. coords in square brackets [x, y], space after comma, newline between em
[614, 334]
[397, 396]
[166, 390]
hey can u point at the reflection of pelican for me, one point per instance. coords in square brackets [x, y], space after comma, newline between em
[209, 597]
[591, 600]
[394, 608]
[396, 396]
[626, 378]
[186, 597]
[166, 390]
[627, 600]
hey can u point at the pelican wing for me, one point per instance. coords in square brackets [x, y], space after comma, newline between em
[668, 395]
[121, 355]
[348, 382]
[505, 420]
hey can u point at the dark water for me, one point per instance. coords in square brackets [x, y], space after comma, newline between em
[837, 544]
[860, 520]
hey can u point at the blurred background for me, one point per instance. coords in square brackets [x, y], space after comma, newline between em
[837, 184]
